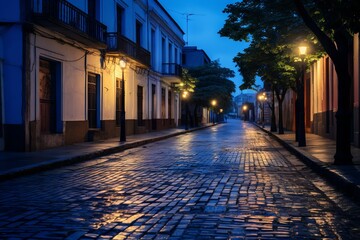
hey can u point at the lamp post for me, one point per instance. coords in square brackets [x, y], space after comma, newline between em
[122, 100]
[300, 97]
[262, 98]
[213, 104]
[185, 94]
[245, 108]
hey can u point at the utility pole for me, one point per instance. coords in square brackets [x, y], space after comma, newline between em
[187, 15]
[187, 27]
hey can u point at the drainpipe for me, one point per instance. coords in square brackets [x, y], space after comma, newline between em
[149, 93]
[85, 69]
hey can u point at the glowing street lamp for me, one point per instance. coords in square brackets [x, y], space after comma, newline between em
[213, 104]
[185, 95]
[244, 109]
[262, 98]
[302, 51]
[300, 98]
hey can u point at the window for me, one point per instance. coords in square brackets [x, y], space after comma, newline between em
[49, 87]
[176, 56]
[163, 55]
[140, 105]
[1, 104]
[169, 106]
[92, 6]
[138, 33]
[170, 54]
[93, 100]
[163, 105]
[153, 106]
[183, 59]
[153, 48]
[119, 19]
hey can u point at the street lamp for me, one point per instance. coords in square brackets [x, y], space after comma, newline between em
[213, 104]
[185, 94]
[122, 105]
[262, 98]
[300, 97]
[245, 108]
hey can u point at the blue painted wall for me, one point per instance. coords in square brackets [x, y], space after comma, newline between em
[10, 11]
[12, 73]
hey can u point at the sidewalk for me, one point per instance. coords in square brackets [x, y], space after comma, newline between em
[14, 164]
[319, 155]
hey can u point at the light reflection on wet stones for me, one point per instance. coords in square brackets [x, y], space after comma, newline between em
[224, 183]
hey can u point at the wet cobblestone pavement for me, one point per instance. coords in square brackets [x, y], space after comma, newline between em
[231, 181]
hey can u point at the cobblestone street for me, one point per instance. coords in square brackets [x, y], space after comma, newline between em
[231, 181]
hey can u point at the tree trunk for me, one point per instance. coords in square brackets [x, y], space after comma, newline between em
[338, 52]
[196, 120]
[344, 114]
[301, 109]
[273, 127]
[186, 115]
[281, 125]
[280, 98]
[296, 119]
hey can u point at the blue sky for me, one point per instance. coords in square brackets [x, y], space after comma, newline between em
[203, 29]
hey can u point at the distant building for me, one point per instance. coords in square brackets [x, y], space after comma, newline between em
[193, 57]
[242, 99]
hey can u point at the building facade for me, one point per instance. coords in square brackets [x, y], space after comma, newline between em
[61, 80]
[194, 57]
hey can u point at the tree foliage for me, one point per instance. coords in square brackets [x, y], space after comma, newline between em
[275, 32]
[187, 84]
[213, 83]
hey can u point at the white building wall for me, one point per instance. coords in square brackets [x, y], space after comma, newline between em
[77, 60]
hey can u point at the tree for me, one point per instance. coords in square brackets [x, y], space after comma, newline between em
[334, 23]
[213, 83]
[272, 63]
[186, 87]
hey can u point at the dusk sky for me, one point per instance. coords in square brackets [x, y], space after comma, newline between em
[203, 27]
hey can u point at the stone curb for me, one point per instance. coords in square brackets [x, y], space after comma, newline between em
[52, 164]
[339, 182]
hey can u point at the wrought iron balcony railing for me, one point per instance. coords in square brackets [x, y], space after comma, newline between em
[118, 43]
[64, 17]
[172, 69]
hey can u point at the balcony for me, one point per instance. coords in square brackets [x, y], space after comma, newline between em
[120, 44]
[65, 18]
[172, 72]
